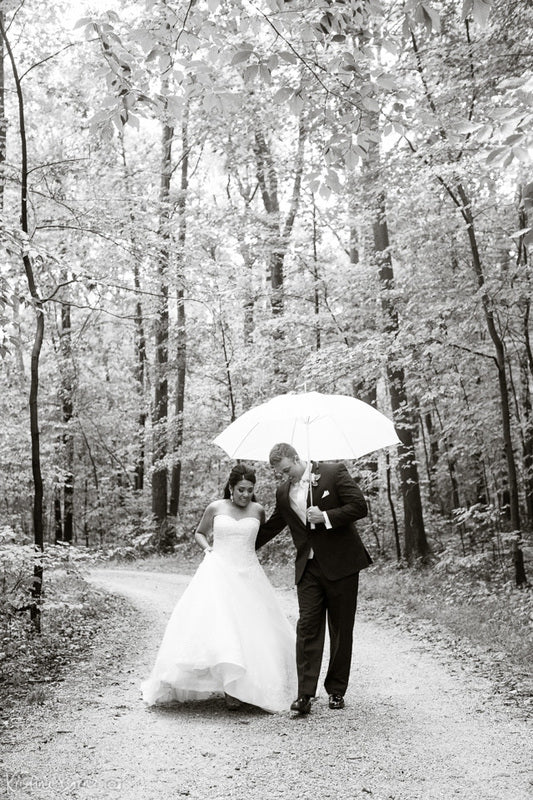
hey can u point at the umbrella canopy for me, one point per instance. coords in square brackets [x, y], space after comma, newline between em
[319, 427]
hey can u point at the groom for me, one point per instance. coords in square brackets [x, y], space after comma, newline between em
[320, 503]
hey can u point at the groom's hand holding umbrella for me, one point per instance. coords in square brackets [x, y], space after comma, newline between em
[315, 515]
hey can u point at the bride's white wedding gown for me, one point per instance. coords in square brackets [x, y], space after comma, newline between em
[227, 632]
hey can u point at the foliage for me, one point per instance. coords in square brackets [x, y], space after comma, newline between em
[72, 612]
[441, 89]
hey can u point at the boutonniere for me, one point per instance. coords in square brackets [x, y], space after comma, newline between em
[314, 478]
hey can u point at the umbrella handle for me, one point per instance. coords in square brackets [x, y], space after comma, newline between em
[311, 524]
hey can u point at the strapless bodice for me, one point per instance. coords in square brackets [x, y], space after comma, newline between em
[234, 539]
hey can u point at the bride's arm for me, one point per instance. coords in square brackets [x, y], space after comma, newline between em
[205, 527]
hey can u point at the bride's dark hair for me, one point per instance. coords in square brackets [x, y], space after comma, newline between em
[240, 472]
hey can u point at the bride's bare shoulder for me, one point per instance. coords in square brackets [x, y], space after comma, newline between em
[220, 503]
[216, 506]
[258, 509]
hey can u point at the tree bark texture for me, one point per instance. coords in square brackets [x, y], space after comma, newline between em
[181, 331]
[316, 281]
[268, 183]
[501, 365]
[278, 231]
[3, 121]
[139, 342]
[416, 544]
[38, 523]
[58, 517]
[525, 206]
[160, 402]
[67, 406]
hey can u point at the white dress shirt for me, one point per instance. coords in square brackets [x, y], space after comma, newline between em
[298, 494]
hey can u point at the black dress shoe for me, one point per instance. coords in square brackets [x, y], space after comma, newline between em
[302, 704]
[336, 701]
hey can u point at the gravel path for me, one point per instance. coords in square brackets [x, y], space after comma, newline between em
[416, 726]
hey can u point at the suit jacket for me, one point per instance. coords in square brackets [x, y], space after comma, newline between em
[338, 550]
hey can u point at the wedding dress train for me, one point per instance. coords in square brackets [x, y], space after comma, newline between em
[227, 632]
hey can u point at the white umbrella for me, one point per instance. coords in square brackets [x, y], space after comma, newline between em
[319, 426]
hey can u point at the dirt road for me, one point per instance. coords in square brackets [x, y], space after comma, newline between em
[415, 727]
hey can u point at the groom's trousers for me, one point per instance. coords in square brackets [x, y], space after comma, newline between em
[319, 599]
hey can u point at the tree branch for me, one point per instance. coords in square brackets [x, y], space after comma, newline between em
[49, 58]
[304, 61]
[56, 163]
[474, 93]
[468, 350]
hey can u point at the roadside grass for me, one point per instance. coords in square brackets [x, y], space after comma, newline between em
[487, 622]
[500, 618]
[185, 560]
[73, 615]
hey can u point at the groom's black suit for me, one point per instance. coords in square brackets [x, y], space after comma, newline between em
[328, 581]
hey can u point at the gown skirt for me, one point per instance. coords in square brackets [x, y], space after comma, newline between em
[227, 632]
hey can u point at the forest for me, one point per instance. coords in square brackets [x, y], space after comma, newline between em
[206, 203]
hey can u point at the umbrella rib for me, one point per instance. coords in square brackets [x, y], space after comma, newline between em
[244, 438]
[293, 428]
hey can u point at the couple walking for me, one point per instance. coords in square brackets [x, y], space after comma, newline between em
[228, 633]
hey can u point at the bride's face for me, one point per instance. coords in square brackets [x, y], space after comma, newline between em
[242, 493]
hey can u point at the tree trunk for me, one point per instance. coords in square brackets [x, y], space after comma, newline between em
[181, 354]
[524, 213]
[67, 392]
[38, 523]
[58, 517]
[416, 544]
[85, 522]
[248, 301]
[248, 254]
[316, 277]
[248, 297]
[500, 359]
[140, 364]
[432, 453]
[139, 335]
[527, 446]
[397, 543]
[278, 233]
[3, 121]
[268, 183]
[160, 406]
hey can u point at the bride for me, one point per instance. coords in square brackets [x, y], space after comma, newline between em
[227, 633]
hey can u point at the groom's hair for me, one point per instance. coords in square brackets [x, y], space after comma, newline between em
[281, 450]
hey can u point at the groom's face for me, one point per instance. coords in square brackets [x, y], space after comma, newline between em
[290, 469]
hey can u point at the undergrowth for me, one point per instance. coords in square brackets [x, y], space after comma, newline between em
[72, 613]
